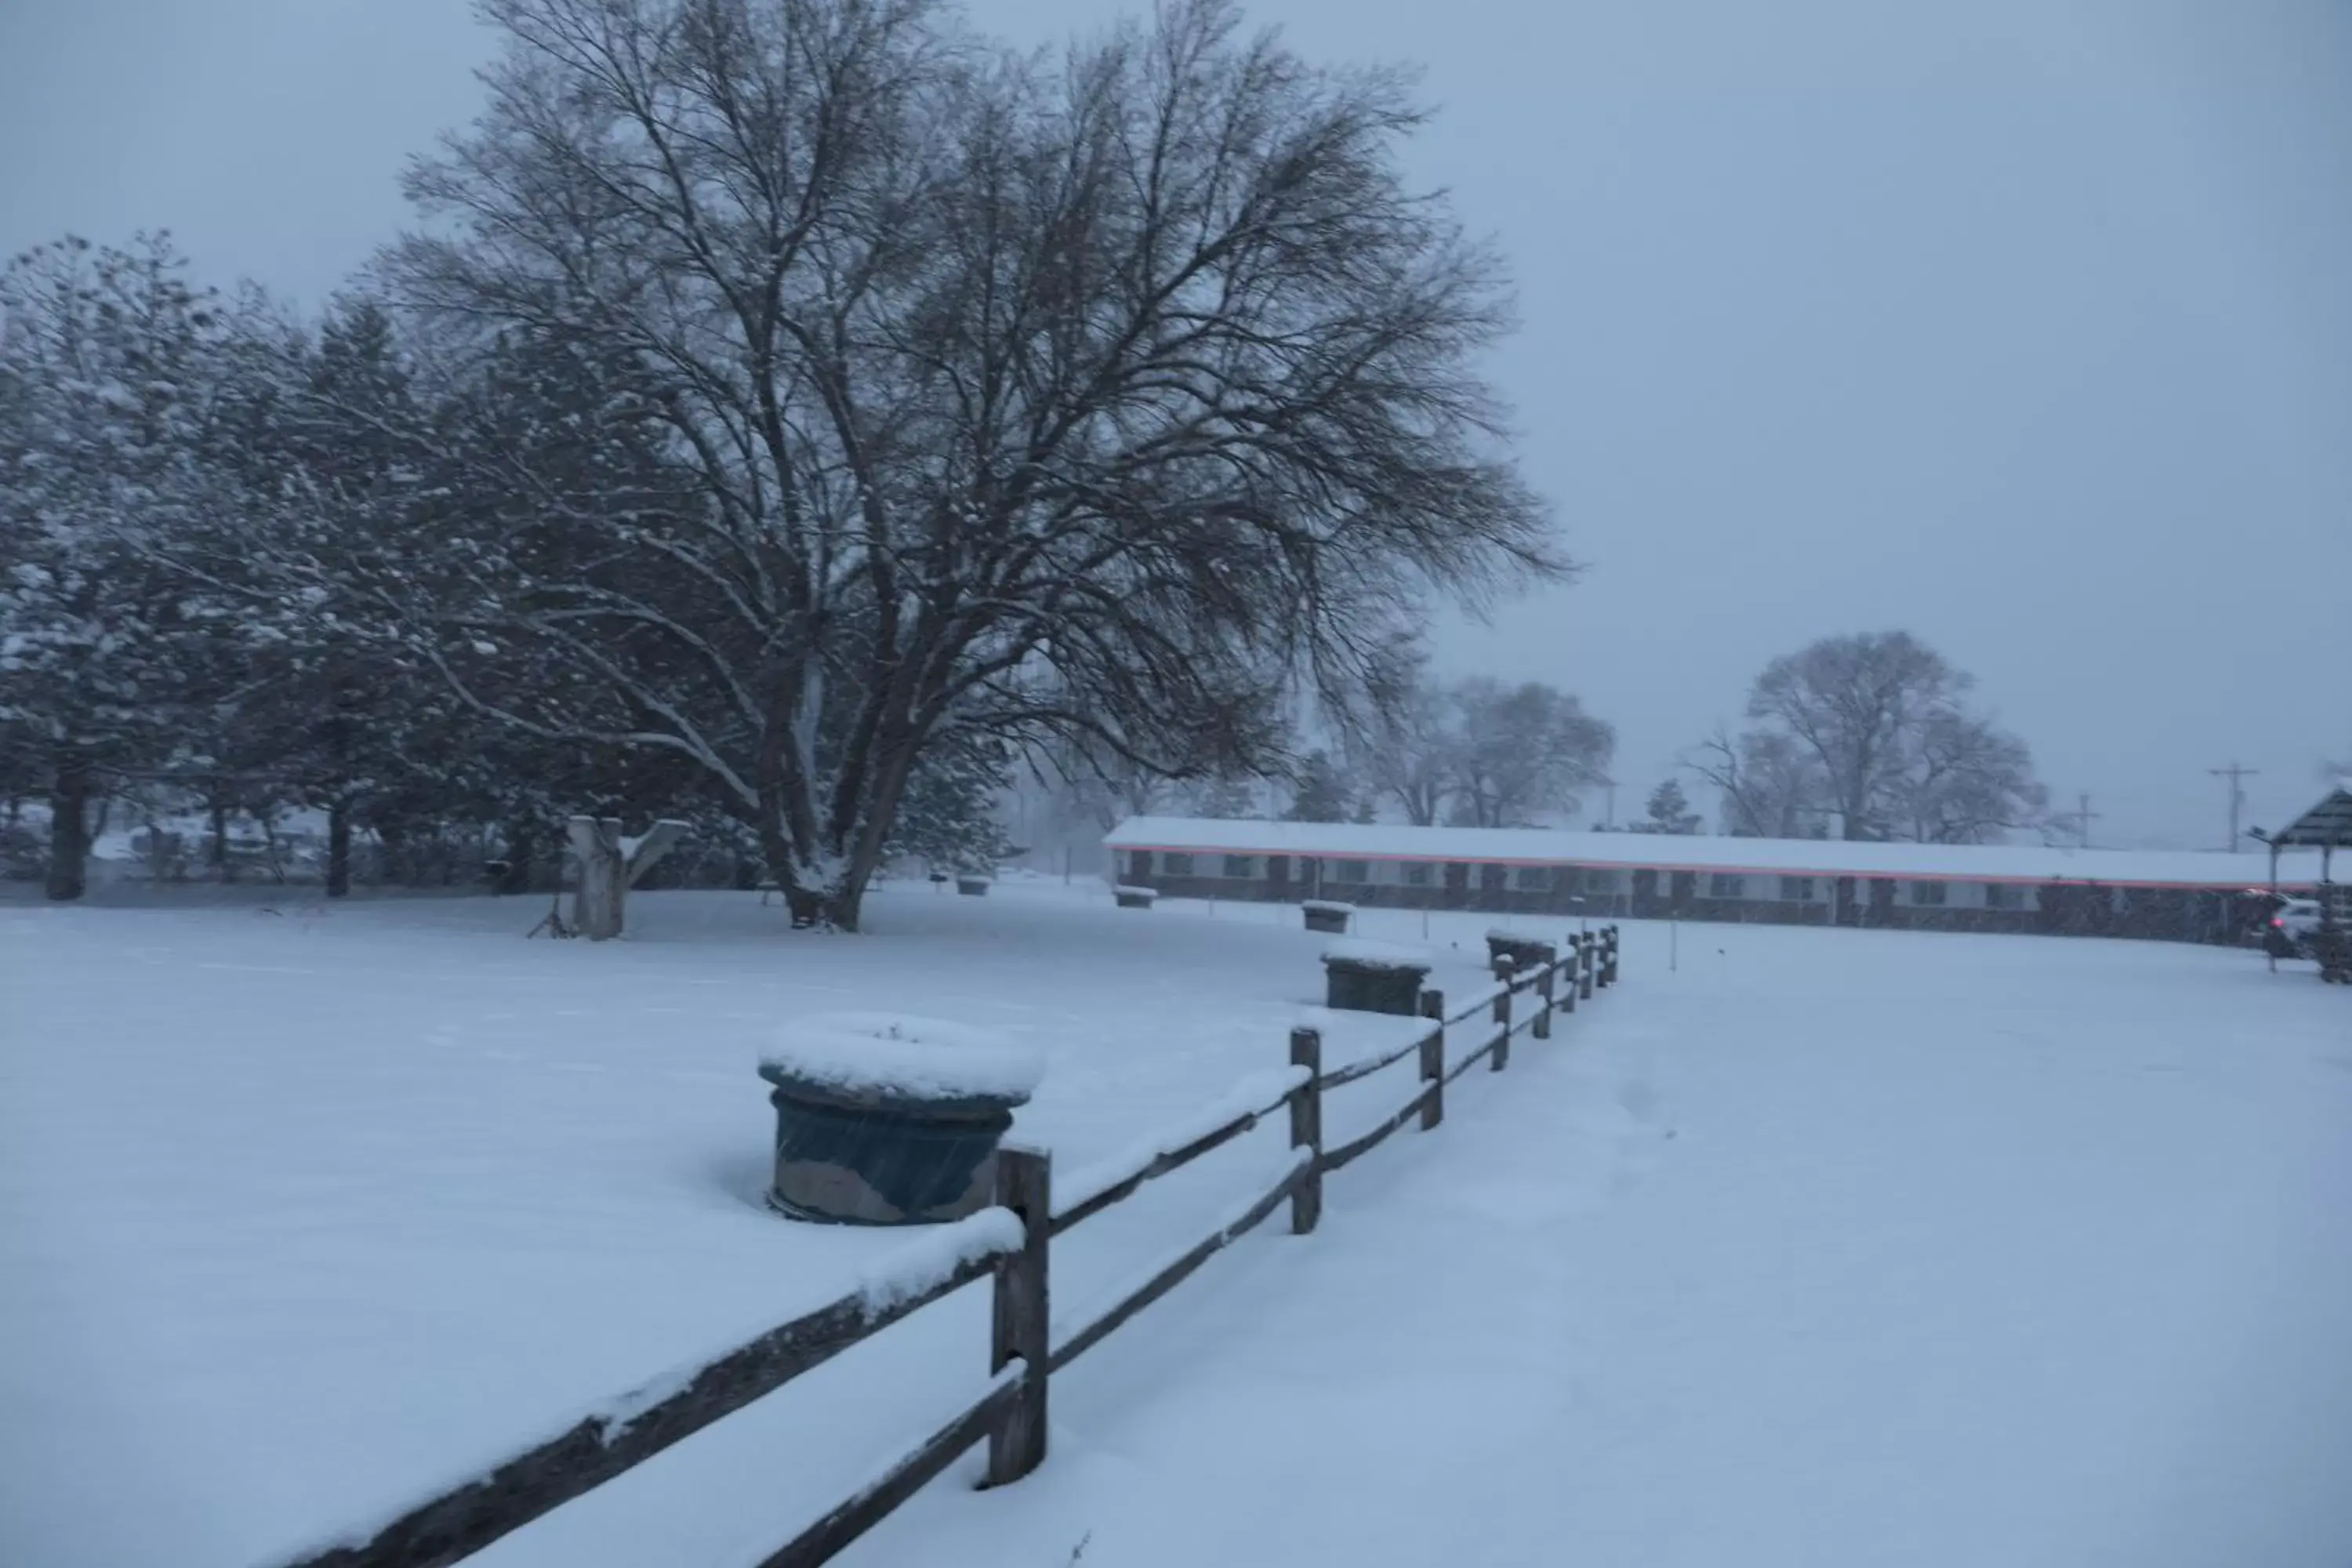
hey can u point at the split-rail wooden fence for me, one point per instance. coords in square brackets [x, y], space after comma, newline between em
[1010, 1242]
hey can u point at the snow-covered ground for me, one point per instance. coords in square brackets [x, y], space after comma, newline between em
[1825, 1247]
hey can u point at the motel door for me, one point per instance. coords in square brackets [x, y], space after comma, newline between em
[1277, 875]
[1458, 885]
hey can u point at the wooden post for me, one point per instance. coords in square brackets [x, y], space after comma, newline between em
[1433, 1061]
[1542, 1031]
[1585, 968]
[1018, 1326]
[1609, 976]
[1501, 1056]
[1307, 1129]
[1567, 968]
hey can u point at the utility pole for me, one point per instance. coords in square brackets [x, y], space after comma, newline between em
[2082, 817]
[1610, 786]
[2233, 772]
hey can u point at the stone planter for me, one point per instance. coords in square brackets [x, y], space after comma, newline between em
[1363, 977]
[1135, 898]
[885, 1120]
[1524, 949]
[973, 887]
[1324, 915]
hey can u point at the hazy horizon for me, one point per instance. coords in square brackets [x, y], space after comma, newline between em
[2019, 326]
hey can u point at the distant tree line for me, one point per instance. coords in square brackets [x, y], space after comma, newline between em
[799, 414]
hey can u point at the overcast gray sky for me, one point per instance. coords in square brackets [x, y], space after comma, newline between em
[2024, 325]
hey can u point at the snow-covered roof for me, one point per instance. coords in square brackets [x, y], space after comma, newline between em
[2329, 823]
[1671, 852]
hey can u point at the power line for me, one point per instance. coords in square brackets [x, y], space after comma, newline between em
[2235, 774]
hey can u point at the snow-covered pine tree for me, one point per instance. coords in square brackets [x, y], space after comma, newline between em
[1322, 794]
[950, 820]
[1668, 811]
[111, 653]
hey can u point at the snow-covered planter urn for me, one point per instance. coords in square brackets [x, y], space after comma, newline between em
[884, 1119]
[972, 886]
[1328, 915]
[1133, 898]
[1370, 977]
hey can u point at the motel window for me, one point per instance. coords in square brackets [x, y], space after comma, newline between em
[1241, 868]
[1724, 885]
[2002, 896]
[1416, 873]
[1797, 889]
[1352, 870]
[1602, 882]
[1177, 864]
[1929, 893]
[1533, 879]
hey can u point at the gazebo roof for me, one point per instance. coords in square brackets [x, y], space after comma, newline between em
[2326, 825]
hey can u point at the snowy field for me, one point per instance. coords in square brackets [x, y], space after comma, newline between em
[1826, 1247]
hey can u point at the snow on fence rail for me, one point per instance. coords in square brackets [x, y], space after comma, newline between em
[1009, 1243]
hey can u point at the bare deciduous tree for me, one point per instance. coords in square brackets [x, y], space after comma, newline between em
[1409, 756]
[1485, 754]
[1874, 731]
[1770, 788]
[1524, 750]
[1966, 782]
[1101, 401]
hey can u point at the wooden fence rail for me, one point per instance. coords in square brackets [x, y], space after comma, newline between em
[1009, 1243]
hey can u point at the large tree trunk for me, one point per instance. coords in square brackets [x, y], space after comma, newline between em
[339, 849]
[607, 871]
[596, 899]
[69, 829]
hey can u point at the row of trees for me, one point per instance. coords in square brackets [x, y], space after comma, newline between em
[1869, 736]
[1470, 752]
[801, 411]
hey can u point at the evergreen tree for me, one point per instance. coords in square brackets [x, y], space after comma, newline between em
[1322, 795]
[1668, 811]
[949, 820]
[112, 655]
[1226, 800]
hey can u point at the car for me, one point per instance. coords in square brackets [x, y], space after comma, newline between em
[2291, 927]
[2299, 918]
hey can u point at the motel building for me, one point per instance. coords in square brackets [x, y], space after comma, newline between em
[2173, 894]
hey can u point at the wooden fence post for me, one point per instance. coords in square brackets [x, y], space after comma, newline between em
[1307, 1129]
[1501, 1057]
[1542, 1031]
[1568, 962]
[1589, 963]
[1609, 961]
[1433, 1061]
[1018, 1326]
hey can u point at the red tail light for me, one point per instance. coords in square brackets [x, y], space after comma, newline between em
[2279, 920]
